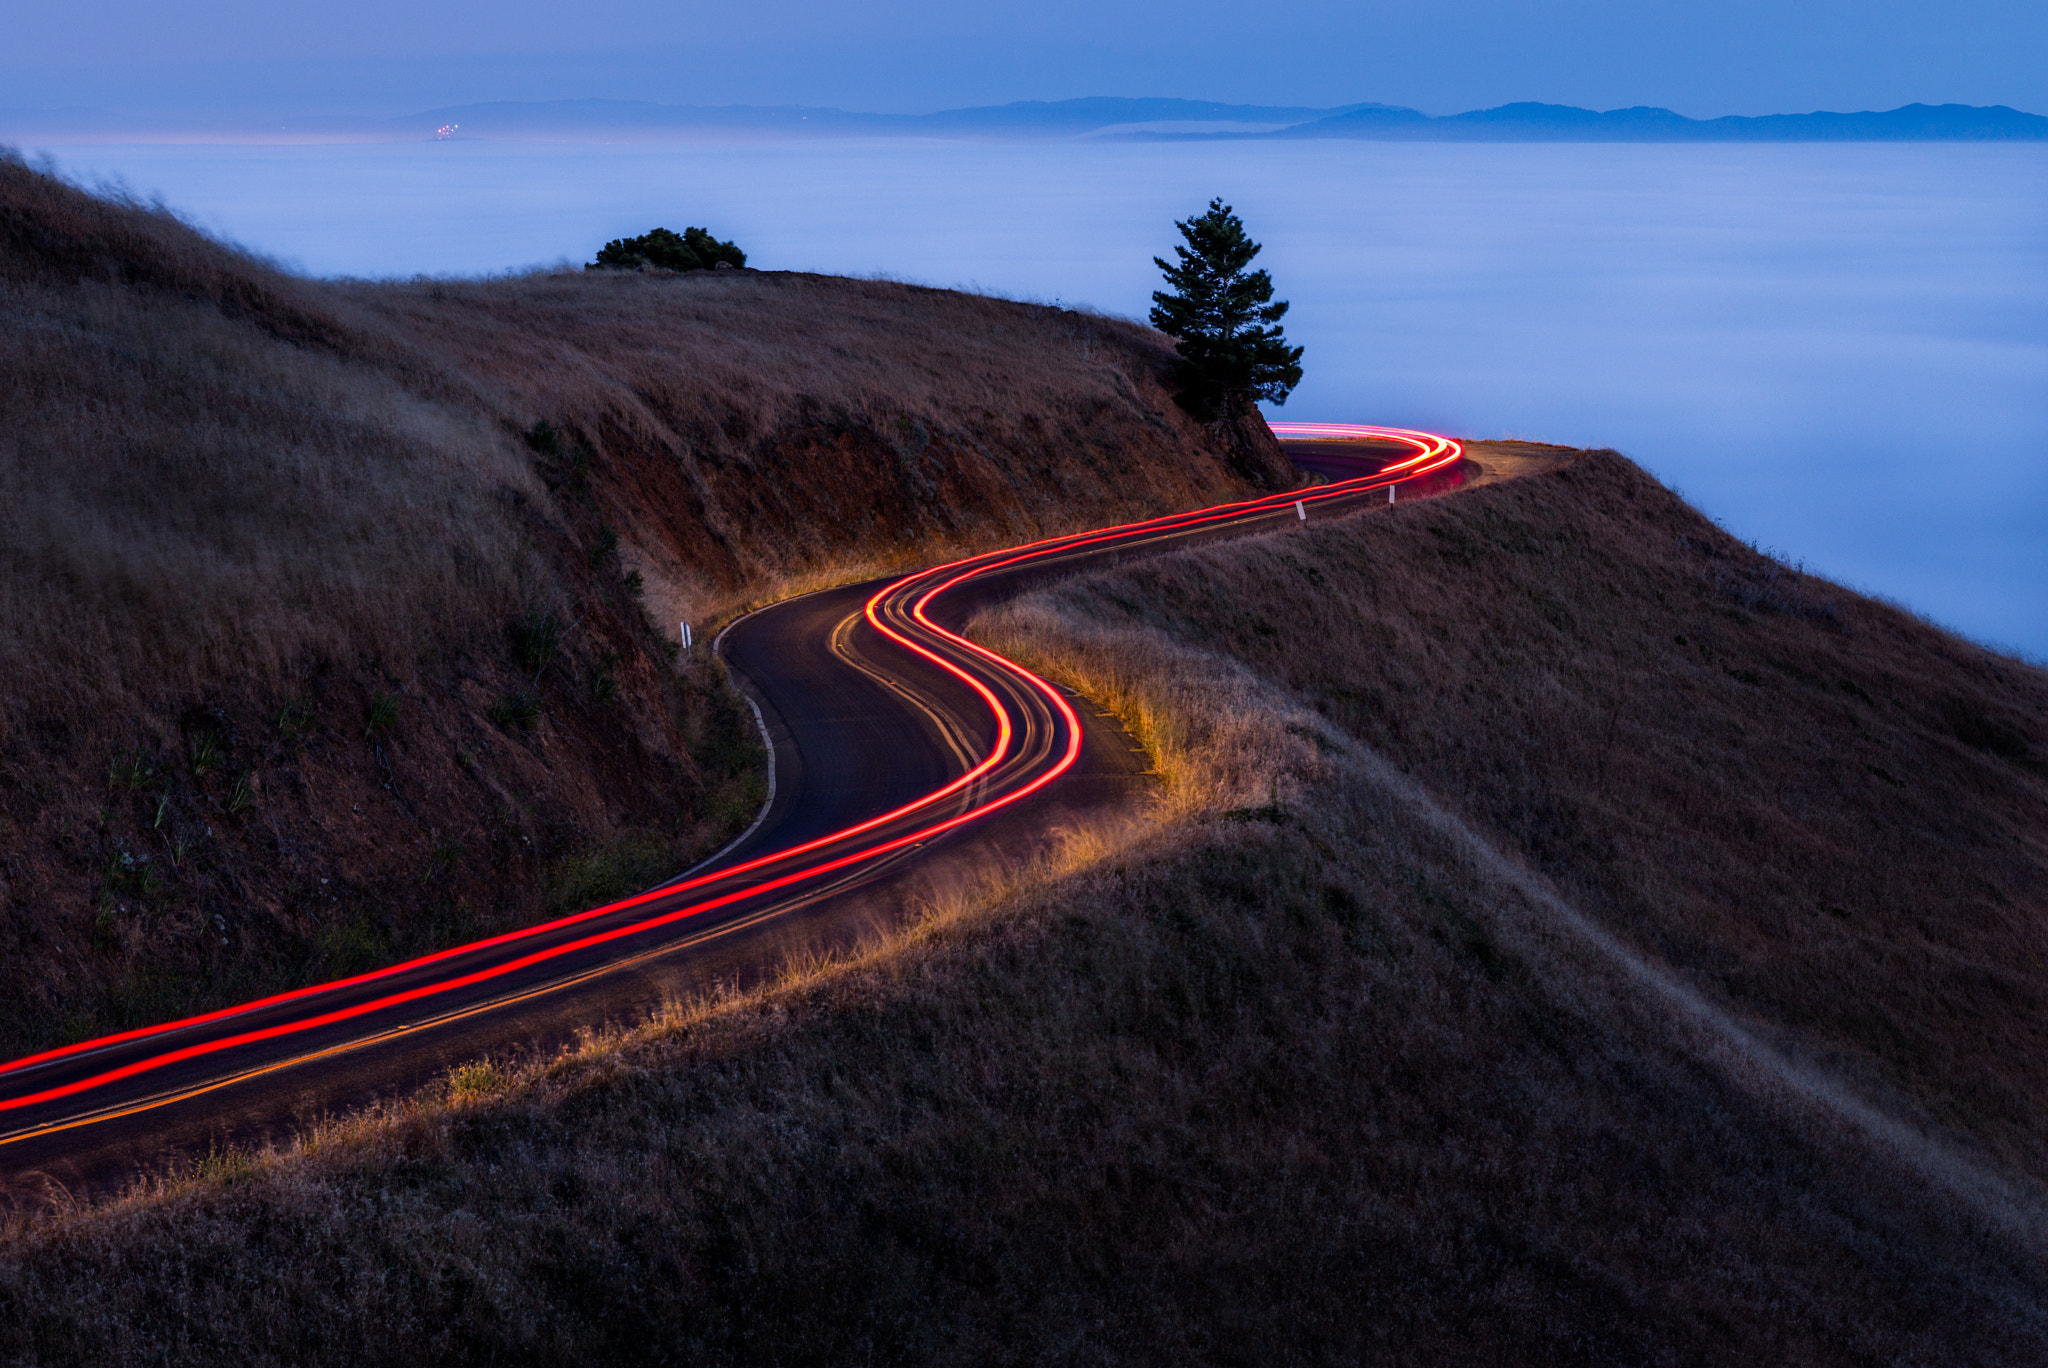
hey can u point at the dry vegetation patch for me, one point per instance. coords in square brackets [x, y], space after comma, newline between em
[756, 429]
[1818, 811]
[337, 619]
[1263, 1081]
[1290, 1073]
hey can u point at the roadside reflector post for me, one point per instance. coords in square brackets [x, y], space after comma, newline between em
[686, 636]
[1390, 493]
[1299, 511]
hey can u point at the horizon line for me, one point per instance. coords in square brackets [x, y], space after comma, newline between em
[1079, 116]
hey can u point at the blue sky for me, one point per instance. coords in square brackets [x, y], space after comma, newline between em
[236, 57]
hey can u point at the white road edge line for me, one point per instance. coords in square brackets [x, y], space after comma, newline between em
[768, 741]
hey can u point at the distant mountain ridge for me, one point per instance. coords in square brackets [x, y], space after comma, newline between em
[1120, 117]
[1097, 117]
[1529, 122]
[1028, 118]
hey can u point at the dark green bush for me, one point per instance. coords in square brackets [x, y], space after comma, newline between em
[604, 685]
[607, 547]
[130, 876]
[516, 711]
[544, 437]
[693, 250]
[380, 716]
[296, 718]
[536, 639]
[134, 772]
[206, 754]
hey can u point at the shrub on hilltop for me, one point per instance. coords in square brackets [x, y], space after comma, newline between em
[694, 249]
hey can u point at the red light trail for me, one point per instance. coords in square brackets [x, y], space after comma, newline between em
[1037, 737]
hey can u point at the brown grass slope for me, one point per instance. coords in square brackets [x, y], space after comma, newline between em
[1822, 812]
[313, 659]
[1304, 1071]
[761, 427]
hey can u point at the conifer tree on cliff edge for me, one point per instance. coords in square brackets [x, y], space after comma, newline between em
[1222, 321]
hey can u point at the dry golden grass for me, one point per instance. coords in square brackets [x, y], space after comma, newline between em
[312, 659]
[1299, 1070]
[760, 429]
[1812, 811]
[1503, 979]
[184, 498]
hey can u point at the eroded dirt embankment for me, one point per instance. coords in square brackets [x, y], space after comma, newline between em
[338, 620]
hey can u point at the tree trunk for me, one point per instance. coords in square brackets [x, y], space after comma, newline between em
[1254, 452]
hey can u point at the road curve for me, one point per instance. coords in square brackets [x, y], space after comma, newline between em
[902, 749]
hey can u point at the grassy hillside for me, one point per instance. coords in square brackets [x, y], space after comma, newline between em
[1503, 980]
[1825, 815]
[336, 620]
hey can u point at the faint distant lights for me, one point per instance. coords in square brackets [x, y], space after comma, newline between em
[446, 131]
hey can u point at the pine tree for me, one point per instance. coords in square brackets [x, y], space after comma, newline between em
[1222, 322]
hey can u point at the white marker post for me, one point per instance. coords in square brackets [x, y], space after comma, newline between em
[686, 636]
[1390, 493]
[1299, 511]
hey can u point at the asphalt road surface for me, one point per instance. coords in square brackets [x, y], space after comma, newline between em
[906, 760]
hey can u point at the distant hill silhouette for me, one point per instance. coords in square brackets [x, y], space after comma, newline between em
[1529, 122]
[1024, 118]
[1096, 117]
[1155, 120]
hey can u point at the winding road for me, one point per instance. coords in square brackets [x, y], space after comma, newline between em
[905, 758]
